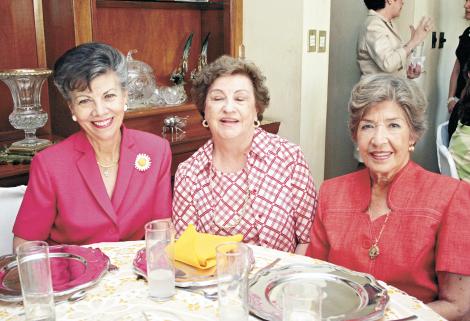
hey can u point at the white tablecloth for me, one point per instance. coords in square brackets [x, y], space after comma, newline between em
[120, 296]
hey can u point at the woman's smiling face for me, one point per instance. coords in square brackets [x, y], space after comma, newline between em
[384, 138]
[100, 109]
[230, 107]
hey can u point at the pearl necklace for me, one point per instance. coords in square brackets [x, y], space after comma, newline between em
[246, 202]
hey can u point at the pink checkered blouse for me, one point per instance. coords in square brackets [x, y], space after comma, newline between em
[272, 201]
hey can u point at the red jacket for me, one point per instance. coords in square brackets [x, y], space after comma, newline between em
[428, 229]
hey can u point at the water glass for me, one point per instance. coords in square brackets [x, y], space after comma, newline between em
[302, 301]
[159, 246]
[233, 261]
[417, 57]
[34, 270]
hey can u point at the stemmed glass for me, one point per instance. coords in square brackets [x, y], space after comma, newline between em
[25, 86]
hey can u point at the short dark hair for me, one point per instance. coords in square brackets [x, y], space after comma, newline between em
[76, 68]
[224, 66]
[375, 4]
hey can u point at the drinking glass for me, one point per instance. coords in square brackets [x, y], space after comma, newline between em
[417, 57]
[233, 263]
[159, 239]
[302, 301]
[36, 283]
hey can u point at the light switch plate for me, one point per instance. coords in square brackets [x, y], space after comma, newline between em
[322, 41]
[312, 41]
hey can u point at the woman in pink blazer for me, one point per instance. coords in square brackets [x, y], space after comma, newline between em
[106, 181]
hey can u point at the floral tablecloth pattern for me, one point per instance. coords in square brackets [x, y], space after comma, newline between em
[121, 296]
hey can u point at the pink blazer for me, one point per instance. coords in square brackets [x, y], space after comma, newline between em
[66, 200]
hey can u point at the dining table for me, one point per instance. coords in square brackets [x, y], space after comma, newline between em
[122, 295]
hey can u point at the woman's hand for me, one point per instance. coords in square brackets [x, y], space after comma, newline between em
[419, 33]
[301, 248]
[451, 104]
[454, 296]
[413, 71]
[17, 241]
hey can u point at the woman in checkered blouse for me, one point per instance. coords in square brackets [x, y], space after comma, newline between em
[244, 180]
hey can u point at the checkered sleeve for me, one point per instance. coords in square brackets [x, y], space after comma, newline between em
[184, 211]
[304, 199]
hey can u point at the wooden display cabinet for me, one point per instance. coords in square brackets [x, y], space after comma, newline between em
[158, 30]
[39, 31]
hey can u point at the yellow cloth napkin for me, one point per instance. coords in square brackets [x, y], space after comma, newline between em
[198, 249]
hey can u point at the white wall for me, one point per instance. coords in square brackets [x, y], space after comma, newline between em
[275, 37]
[316, 15]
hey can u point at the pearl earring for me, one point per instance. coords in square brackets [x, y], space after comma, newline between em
[205, 123]
[74, 118]
[411, 148]
[125, 107]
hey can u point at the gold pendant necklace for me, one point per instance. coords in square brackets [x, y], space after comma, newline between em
[238, 217]
[374, 250]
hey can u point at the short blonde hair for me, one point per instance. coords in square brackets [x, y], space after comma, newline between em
[376, 88]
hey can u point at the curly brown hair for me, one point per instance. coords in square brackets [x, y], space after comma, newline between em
[224, 66]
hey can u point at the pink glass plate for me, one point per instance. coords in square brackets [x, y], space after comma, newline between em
[186, 275]
[73, 268]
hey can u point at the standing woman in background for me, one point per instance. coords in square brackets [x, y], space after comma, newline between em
[379, 46]
[457, 78]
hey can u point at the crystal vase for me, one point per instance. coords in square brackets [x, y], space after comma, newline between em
[25, 86]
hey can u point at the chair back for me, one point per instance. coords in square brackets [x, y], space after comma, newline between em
[442, 137]
[11, 198]
[444, 157]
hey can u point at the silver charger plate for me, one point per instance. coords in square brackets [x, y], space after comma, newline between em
[185, 275]
[349, 295]
[73, 268]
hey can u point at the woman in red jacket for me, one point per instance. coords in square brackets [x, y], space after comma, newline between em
[404, 225]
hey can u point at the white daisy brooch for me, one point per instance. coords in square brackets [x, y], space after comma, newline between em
[142, 162]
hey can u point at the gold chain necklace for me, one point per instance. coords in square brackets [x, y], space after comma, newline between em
[374, 250]
[107, 167]
[238, 217]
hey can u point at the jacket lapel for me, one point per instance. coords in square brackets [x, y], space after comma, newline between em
[91, 175]
[126, 168]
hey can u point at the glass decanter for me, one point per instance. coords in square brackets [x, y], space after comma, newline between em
[25, 86]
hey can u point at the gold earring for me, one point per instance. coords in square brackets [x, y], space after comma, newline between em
[257, 123]
[205, 123]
